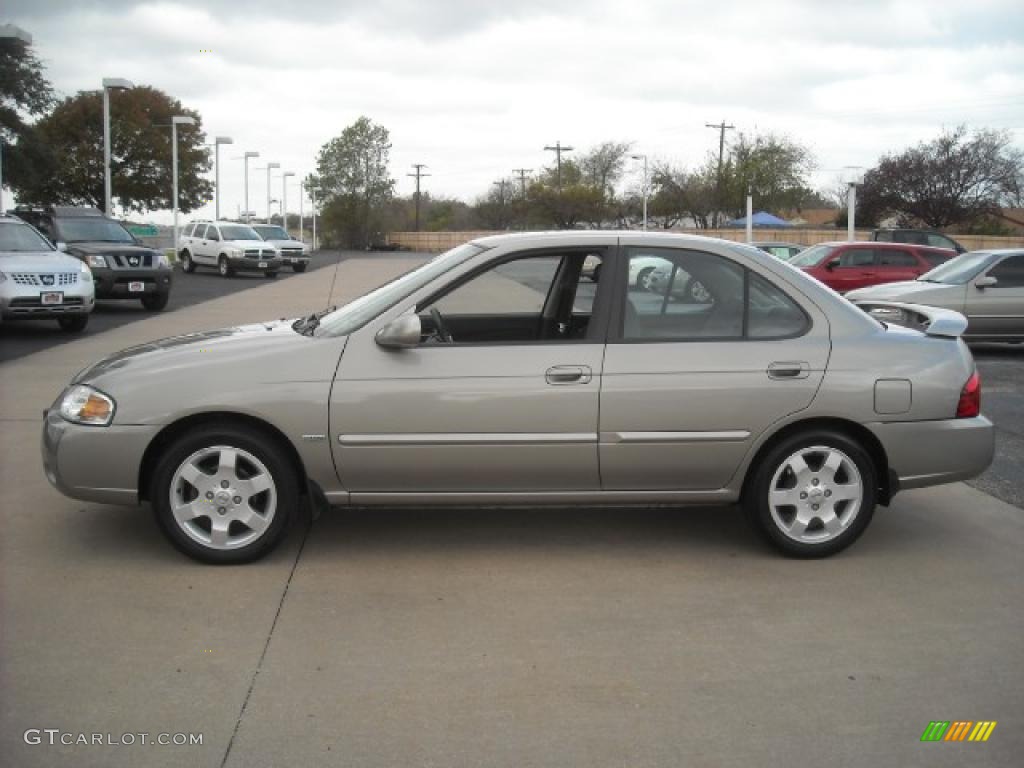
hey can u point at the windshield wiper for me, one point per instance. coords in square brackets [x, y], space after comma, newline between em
[306, 325]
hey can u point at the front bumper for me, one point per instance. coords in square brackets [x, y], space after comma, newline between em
[98, 464]
[924, 453]
[292, 259]
[117, 284]
[247, 263]
[18, 302]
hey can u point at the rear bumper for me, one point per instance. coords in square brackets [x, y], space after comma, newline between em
[923, 453]
[112, 284]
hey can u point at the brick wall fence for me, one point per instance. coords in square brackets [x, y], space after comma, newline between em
[435, 242]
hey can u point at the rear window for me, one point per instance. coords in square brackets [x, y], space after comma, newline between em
[812, 256]
[934, 259]
[892, 258]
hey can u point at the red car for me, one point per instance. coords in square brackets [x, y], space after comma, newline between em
[845, 266]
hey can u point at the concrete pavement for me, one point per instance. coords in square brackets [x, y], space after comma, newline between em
[651, 637]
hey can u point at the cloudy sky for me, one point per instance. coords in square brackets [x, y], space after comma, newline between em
[476, 88]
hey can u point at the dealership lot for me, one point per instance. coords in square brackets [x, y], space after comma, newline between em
[526, 637]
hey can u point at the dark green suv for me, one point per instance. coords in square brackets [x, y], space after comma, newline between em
[122, 267]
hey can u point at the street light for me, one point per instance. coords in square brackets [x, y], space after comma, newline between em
[216, 172]
[109, 83]
[245, 158]
[175, 122]
[284, 199]
[270, 167]
[312, 201]
[852, 175]
[644, 158]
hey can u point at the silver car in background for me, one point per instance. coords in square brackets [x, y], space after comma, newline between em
[986, 286]
[498, 374]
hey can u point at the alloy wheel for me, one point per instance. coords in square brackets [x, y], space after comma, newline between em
[815, 494]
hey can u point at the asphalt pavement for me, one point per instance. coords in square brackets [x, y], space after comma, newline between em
[529, 637]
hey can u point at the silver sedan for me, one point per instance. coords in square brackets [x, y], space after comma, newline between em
[986, 286]
[498, 374]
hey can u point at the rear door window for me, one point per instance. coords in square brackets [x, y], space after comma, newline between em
[857, 257]
[887, 257]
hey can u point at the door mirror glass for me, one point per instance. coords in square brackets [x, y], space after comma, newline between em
[62, 246]
[832, 264]
[401, 333]
[985, 282]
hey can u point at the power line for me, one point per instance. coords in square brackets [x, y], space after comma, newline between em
[558, 149]
[418, 175]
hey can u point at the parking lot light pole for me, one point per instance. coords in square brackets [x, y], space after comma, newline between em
[312, 201]
[216, 173]
[109, 83]
[175, 122]
[284, 199]
[302, 194]
[246, 162]
[270, 167]
[644, 158]
[853, 175]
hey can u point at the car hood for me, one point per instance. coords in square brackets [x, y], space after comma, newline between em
[249, 244]
[913, 291]
[294, 244]
[39, 261]
[104, 248]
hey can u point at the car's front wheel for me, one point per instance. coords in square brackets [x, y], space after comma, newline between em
[298, 267]
[187, 264]
[224, 494]
[224, 267]
[270, 275]
[813, 494]
[155, 302]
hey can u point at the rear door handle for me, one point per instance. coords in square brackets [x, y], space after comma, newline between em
[568, 374]
[789, 370]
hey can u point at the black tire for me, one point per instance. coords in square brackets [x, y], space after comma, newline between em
[73, 323]
[224, 266]
[298, 267]
[641, 277]
[760, 510]
[155, 302]
[270, 275]
[187, 265]
[281, 470]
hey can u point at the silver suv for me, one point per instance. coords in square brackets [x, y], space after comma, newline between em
[294, 252]
[229, 247]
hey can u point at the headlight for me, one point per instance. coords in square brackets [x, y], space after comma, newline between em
[3, 277]
[162, 262]
[85, 405]
[96, 260]
[84, 269]
[236, 253]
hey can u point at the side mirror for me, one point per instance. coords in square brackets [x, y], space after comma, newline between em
[985, 282]
[401, 333]
[831, 264]
[61, 246]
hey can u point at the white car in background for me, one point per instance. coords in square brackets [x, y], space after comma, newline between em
[228, 246]
[294, 252]
[38, 282]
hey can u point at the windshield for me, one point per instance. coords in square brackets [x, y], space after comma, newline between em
[959, 270]
[272, 233]
[21, 238]
[92, 230]
[357, 313]
[812, 256]
[239, 232]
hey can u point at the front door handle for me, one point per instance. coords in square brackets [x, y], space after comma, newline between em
[789, 370]
[568, 374]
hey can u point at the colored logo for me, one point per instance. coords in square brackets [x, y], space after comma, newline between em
[958, 730]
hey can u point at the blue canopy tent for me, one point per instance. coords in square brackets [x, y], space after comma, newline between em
[761, 219]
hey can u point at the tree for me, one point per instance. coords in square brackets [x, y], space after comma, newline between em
[576, 201]
[677, 194]
[957, 178]
[59, 160]
[23, 88]
[352, 172]
[774, 168]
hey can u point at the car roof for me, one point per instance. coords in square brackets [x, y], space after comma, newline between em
[884, 246]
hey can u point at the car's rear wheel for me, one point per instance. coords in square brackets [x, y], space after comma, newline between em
[813, 494]
[187, 265]
[154, 302]
[73, 323]
[224, 267]
[298, 267]
[224, 494]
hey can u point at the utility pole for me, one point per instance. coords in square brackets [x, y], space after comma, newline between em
[418, 175]
[521, 172]
[501, 197]
[558, 149]
[721, 128]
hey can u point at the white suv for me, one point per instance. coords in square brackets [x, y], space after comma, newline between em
[39, 282]
[228, 246]
[294, 252]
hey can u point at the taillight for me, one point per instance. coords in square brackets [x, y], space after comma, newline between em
[970, 398]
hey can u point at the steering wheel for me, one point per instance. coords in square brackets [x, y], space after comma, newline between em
[439, 325]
